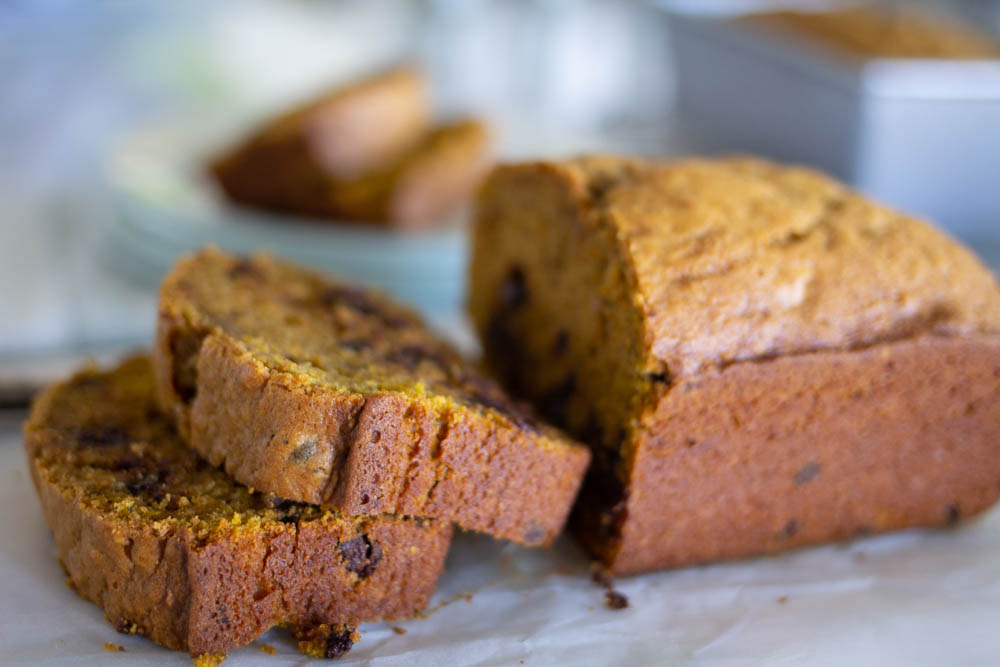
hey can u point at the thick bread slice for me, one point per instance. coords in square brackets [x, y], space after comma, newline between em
[329, 394]
[173, 549]
[346, 131]
[414, 188]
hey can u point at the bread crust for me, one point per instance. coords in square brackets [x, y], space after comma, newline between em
[782, 453]
[361, 453]
[209, 592]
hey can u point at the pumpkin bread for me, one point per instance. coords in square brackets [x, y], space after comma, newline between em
[327, 393]
[759, 357]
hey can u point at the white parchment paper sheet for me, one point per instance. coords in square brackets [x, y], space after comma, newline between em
[916, 598]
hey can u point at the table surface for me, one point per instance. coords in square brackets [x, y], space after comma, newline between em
[914, 598]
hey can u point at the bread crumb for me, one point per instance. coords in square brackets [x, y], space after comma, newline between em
[113, 648]
[267, 648]
[615, 600]
[208, 660]
[783, 599]
[399, 631]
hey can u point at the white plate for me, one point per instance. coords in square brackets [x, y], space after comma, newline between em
[167, 205]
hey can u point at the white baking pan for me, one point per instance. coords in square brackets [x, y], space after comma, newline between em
[920, 135]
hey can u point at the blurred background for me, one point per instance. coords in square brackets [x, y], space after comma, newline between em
[110, 111]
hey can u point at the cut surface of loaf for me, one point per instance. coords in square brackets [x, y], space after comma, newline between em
[173, 549]
[759, 357]
[327, 393]
[415, 187]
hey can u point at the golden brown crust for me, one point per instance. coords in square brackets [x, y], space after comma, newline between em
[739, 259]
[206, 579]
[885, 33]
[644, 281]
[360, 427]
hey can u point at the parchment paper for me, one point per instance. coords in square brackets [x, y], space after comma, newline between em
[915, 598]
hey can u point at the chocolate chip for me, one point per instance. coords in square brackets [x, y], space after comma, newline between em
[304, 451]
[244, 268]
[615, 600]
[361, 556]
[149, 485]
[561, 343]
[952, 514]
[513, 291]
[222, 613]
[339, 642]
[791, 528]
[660, 378]
[600, 185]
[184, 349]
[593, 432]
[108, 436]
[807, 473]
[554, 404]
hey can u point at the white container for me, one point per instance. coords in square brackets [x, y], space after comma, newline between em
[920, 135]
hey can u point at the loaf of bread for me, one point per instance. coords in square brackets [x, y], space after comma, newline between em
[415, 186]
[759, 357]
[326, 393]
[173, 549]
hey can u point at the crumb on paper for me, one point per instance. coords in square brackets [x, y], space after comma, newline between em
[398, 630]
[860, 557]
[612, 599]
[111, 647]
[783, 599]
[208, 660]
[615, 600]
[601, 577]
[326, 641]
[267, 648]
